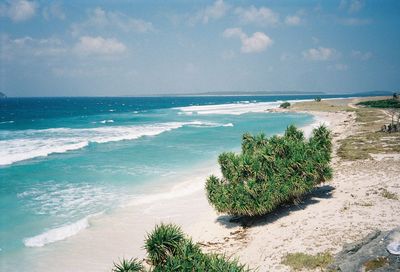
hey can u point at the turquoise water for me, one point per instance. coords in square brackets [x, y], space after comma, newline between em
[62, 160]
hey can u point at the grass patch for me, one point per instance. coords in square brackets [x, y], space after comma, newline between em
[372, 265]
[299, 260]
[389, 195]
[325, 105]
[385, 103]
[369, 139]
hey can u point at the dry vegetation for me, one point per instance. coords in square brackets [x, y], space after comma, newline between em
[368, 139]
[300, 261]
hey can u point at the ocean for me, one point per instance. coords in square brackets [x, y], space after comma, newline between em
[66, 160]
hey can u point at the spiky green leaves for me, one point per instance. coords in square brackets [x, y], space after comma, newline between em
[270, 171]
[169, 250]
[164, 241]
[132, 265]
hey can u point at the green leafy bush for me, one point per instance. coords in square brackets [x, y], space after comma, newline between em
[285, 105]
[269, 172]
[168, 249]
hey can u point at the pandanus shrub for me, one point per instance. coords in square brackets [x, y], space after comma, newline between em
[168, 249]
[132, 265]
[270, 171]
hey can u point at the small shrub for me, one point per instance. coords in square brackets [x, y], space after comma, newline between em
[162, 242]
[285, 105]
[318, 99]
[299, 261]
[269, 172]
[389, 195]
[170, 251]
[132, 265]
[190, 258]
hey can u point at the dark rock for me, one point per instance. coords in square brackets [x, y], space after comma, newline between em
[371, 251]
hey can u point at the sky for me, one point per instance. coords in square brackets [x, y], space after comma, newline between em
[147, 47]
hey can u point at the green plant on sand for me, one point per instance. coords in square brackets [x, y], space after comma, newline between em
[168, 249]
[132, 265]
[270, 171]
[284, 105]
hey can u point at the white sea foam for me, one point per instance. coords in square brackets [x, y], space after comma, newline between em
[57, 234]
[209, 124]
[7, 122]
[29, 144]
[107, 121]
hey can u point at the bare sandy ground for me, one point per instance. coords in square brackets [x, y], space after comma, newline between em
[341, 211]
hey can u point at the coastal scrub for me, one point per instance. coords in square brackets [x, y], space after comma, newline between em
[270, 171]
[168, 249]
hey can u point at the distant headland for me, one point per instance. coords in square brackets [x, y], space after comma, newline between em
[3, 95]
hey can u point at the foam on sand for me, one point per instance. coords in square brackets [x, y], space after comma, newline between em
[179, 190]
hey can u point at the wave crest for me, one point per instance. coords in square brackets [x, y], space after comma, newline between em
[57, 234]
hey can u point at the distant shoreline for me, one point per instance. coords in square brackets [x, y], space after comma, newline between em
[361, 94]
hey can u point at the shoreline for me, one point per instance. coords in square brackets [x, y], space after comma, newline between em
[262, 244]
[340, 211]
[174, 197]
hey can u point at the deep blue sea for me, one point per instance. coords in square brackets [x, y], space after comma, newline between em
[63, 160]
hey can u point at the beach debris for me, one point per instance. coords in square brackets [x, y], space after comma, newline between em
[394, 248]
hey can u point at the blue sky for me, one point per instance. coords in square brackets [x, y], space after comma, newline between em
[132, 47]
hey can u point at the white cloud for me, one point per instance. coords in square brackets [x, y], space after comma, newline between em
[255, 43]
[361, 55]
[354, 21]
[98, 18]
[54, 11]
[351, 6]
[320, 54]
[18, 10]
[31, 47]
[261, 16]
[98, 46]
[356, 5]
[293, 20]
[213, 12]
